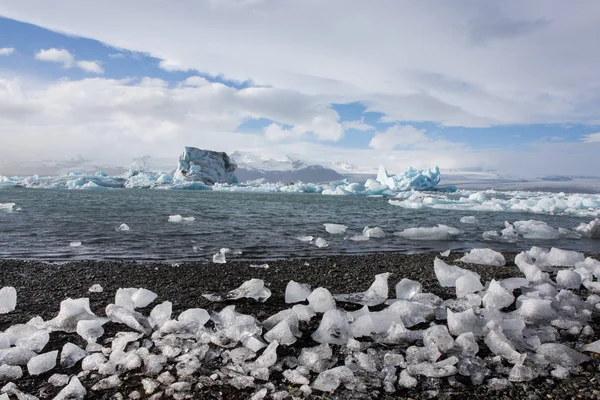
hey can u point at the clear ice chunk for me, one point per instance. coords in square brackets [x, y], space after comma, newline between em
[71, 354]
[467, 284]
[484, 257]
[71, 312]
[568, 279]
[558, 354]
[252, 289]
[321, 300]
[73, 391]
[335, 229]
[330, 380]
[42, 363]
[406, 289]
[376, 294]
[132, 319]
[96, 288]
[333, 329]
[448, 274]
[296, 292]
[321, 243]
[8, 299]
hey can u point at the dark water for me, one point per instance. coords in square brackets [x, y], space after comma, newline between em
[262, 226]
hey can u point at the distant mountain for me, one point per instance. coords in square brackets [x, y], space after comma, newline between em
[287, 169]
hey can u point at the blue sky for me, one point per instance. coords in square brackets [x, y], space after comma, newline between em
[304, 106]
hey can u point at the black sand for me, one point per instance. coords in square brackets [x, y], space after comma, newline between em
[40, 288]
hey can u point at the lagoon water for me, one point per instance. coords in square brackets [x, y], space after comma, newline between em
[262, 226]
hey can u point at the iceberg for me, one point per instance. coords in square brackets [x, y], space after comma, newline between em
[411, 179]
[206, 166]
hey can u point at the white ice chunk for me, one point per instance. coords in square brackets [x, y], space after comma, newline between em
[484, 257]
[406, 380]
[123, 227]
[441, 232]
[497, 296]
[359, 238]
[90, 330]
[10, 372]
[591, 230]
[316, 359]
[161, 313]
[448, 274]
[304, 312]
[532, 272]
[179, 218]
[533, 229]
[197, 316]
[438, 336]
[406, 289]
[335, 229]
[321, 243]
[35, 342]
[75, 244]
[73, 391]
[132, 319]
[16, 356]
[42, 363]
[71, 312]
[376, 294]
[593, 347]
[219, 258]
[559, 354]
[568, 279]
[71, 354]
[373, 232]
[536, 310]
[330, 380]
[499, 344]
[305, 238]
[462, 322]
[466, 284]
[142, 298]
[8, 299]
[321, 300]
[296, 292]
[466, 344]
[559, 258]
[96, 288]
[281, 333]
[333, 329]
[445, 253]
[469, 220]
[252, 289]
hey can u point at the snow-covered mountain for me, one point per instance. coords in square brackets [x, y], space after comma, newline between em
[284, 169]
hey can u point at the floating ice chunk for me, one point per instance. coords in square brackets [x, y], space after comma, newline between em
[445, 253]
[219, 258]
[591, 230]
[359, 238]
[438, 336]
[466, 344]
[463, 322]
[35, 342]
[376, 294]
[559, 354]
[7, 206]
[335, 229]
[441, 232]
[406, 289]
[559, 258]
[568, 234]
[373, 232]
[466, 284]
[252, 289]
[71, 312]
[536, 310]
[410, 179]
[448, 274]
[179, 218]
[123, 227]
[568, 279]
[469, 220]
[499, 344]
[10, 372]
[497, 296]
[320, 242]
[333, 329]
[132, 319]
[73, 391]
[142, 297]
[96, 288]
[296, 292]
[71, 354]
[305, 238]
[533, 229]
[75, 244]
[8, 299]
[406, 380]
[161, 313]
[321, 300]
[330, 380]
[42, 363]
[484, 257]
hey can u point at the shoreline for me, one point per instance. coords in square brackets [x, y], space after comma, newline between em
[41, 286]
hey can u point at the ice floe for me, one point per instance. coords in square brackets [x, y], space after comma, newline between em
[440, 232]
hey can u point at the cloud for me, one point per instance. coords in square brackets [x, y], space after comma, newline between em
[116, 55]
[358, 125]
[90, 66]
[400, 136]
[64, 57]
[277, 133]
[592, 137]
[463, 63]
[6, 51]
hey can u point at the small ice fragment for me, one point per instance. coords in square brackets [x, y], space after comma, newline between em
[93, 362]
[8, 299]
[559, 354]
[123, 227]
[320, 242]
[305, 238]
[406, 380]
[497, 296]
[219, 258]
[96, 288]
[448, 274]
[111, 382]
[440, 232]
[335, 228]
[260, 266]
[469, 220]
[484, 257]
[560, 372]
[536, 310]
[359, 238]
[10, 372]
[42, 363]
[467, 284]
[522, 373]
[499, 344]
[333, 329]
[161, 313]
[123, 297]
[73, 391]
[75, 244]
[58, 380]
[466, 344]
[376, 294]
[330, 380]
[132, 319]
[269, 357]
[142, 298]
[296, 292]
[90, 330]
[253, 289]
[373, 232]
[35, 342]
[406, 289]
[281, 333]
[445, 253]
[198, 316]
[71, 354]
[438, 336]
[568, 279]
[179, 218]
[321, 300]
[462, 322]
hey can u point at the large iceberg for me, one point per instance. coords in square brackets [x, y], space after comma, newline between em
[411, 179]
[206, 166]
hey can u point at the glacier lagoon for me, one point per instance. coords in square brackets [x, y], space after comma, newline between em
[56, 224]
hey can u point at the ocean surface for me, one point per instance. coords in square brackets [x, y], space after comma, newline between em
[44, 223]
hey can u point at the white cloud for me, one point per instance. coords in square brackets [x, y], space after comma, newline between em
[116, 55]
[59, 56]
[90, 66]
[400, 136]
[6, 51]
[592, 137]
[460, 64]
[358, 125]
[277, 133]
[64, 57]
[196, 81]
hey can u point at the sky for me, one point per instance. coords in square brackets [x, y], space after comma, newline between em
[511, 86]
